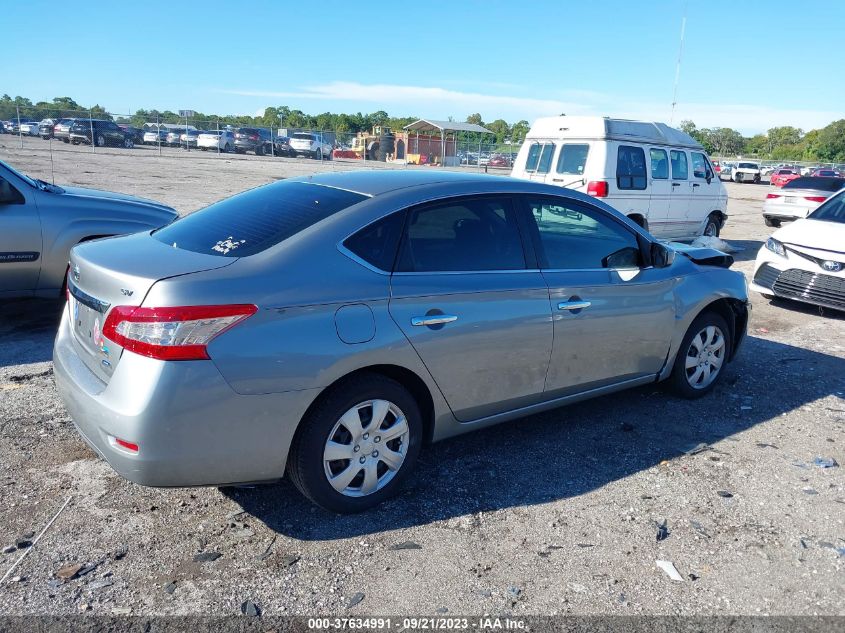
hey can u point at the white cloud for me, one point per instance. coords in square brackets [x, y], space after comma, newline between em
[438, 102]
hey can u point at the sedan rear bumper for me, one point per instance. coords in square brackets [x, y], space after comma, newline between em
[191, 428]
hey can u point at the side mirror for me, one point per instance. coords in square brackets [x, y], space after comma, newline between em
[709, 178]
[662, 256]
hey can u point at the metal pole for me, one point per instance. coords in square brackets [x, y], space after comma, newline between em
[91, 123]
[158, 133]
[219, 136]
[20, 136]
[187, 147]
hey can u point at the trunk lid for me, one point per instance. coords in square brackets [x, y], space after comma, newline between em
[120, 271]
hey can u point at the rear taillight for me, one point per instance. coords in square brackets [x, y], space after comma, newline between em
[773, 195]
[815, 198]
[253, 138]
[597, 188]
[181, 333]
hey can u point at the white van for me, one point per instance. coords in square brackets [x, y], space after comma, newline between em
[658, 176]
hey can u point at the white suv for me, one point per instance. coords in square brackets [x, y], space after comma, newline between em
[310, 144]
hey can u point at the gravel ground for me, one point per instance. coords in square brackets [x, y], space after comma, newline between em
[553, 514]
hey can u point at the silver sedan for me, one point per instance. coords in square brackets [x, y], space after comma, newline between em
[329, 326]
[40, 222]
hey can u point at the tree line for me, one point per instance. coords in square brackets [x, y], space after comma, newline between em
[778, 143]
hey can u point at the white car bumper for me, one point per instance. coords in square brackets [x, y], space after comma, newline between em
[800, 278]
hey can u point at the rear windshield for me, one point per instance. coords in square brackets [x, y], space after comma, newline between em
[247, 130]
[816, 182]
[749, 166]
[303, 137]
[255, 220]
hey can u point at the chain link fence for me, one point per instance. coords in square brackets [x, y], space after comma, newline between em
[97, 130]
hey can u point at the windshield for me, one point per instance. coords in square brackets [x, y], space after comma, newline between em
[749, 166]
[831, 211]
[29, 181]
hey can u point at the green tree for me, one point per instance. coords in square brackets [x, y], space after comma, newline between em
[475, 118]
[830, 144]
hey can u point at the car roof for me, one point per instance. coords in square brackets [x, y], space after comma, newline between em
[380, 181]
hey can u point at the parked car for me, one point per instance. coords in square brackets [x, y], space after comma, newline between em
[782, 176]
[805, 261]
[224, 140]
[323, 315]
[189, 139]
[745, 171]
[61, 130]
[41, 222]
[798, 198]
[155, 134]
[828, 173]
[311, 144]
[45, 129]
[30, 128]
[5, 127]
[136, 133]
[99, 132]
[174, 136]
[282, 147]
[656, 175]
[253, 139]
[498, 161]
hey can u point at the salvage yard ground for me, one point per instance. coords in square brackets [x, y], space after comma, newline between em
[557, 513]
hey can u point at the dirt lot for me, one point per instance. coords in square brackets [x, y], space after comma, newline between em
[556, 513]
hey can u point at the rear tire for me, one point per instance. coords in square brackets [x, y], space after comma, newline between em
[324, 427]
[771, 222]
[101, 141]
[703, 352]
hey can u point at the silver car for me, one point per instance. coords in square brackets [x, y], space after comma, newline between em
[329, 326]
[40, 222]
[798, 198]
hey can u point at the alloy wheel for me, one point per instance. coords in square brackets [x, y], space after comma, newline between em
[366, 448]
[705, 357]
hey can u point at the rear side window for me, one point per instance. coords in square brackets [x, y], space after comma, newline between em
[630, 168]
[462, 235]
[376, 244]
[573, 158]
[659, 164]
[254, 221]
[680, 170]
[540, 157]
[816, 182]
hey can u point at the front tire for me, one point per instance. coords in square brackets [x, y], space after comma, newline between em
[711, 229]
[771, 222]
[701, 357]
[357, 445]
[101, 141]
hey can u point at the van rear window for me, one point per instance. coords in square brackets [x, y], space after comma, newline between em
[540, 157]
[573, 158]
[255, 220]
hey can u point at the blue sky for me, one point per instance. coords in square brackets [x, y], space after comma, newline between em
[747, 65]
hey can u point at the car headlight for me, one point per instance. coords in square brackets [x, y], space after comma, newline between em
[776, 247]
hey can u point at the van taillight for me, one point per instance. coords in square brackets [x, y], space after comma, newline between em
[597, 188]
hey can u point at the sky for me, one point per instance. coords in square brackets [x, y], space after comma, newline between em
[745, 65]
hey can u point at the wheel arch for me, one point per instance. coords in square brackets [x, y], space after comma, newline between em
[415, 385]
[735, 314]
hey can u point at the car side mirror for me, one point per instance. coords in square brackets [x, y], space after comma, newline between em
[662, 256]
[709, 178]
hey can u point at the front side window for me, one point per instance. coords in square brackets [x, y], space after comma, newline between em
[462, 235]
[9, 194]
[700, 166]
[630, 168]
[573, 158]
[678, 159]
[578, 237]
[659, 164]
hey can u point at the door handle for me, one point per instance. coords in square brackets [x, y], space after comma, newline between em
[695, 184]
[573, 305]
[676, 184]
[434, 319]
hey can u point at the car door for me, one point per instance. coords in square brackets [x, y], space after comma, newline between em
[20, 236]
[679, 198]
[661, 191]
[478, 317]
[539, 160]
[613, 314]
[115, 134]
[704, 192]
